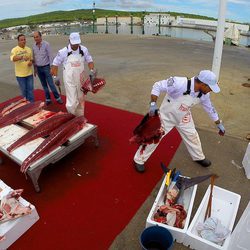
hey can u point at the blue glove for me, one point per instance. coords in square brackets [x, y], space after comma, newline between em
[221, 129]
[153, 108]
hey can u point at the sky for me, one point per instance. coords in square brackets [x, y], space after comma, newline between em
[237, 10]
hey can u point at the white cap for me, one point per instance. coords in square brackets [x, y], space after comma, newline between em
[209, 78]
[74, 38]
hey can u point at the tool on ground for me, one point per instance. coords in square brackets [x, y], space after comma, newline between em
[209, 205]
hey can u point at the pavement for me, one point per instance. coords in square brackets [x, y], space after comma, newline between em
[130, 65]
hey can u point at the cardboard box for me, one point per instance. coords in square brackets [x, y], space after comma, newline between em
[11, 230]
[225, 206]
[188, 200]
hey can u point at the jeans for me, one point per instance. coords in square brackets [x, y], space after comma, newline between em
[47, 82]
[26, 85]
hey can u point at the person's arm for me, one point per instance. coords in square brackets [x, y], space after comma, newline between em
[157, 88]
[48, 49]
[30, 58]
[91, 65]
[58, 60]
[54, 70]
[14, 57]
[211, 111]
[209, 108]
[154, 98]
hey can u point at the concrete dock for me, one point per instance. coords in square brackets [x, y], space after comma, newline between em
[130, 65]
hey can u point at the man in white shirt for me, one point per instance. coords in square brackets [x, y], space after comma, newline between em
[182, 94]
[73, 58]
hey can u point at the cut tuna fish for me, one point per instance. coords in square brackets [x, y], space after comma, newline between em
[57, 137]
[21, 113]
[42, 130]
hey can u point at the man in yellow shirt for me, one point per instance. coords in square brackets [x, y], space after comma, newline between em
[22, 57]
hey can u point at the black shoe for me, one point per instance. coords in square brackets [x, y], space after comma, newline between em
[139, 167]
[204, 163]
[48, 102]
[60, 101]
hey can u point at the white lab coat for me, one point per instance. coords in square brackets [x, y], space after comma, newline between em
[175, 112]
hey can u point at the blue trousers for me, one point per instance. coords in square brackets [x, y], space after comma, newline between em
[47, 82]
[26, 85]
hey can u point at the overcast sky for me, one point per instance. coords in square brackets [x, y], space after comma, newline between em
[237, 10]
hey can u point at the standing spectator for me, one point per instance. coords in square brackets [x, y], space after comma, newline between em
[73, 58]
[22, 57]
[42, 61]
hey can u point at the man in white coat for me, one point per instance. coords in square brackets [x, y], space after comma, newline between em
[182, 94]
[73, 58]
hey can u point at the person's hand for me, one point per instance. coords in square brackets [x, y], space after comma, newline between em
[54, 70]
[30, 63]
[57, 81]
[92, 74]
[26, 58]
[152, 108]
[221, 129]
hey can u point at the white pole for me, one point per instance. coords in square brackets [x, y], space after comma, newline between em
[219, 38]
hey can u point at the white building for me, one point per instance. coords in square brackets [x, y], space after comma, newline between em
[201, 23]
[155, 18]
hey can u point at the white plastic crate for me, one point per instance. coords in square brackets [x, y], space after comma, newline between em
[225, 205]
[188, 200]
[13, 229]
[246, 161]
[240, 238]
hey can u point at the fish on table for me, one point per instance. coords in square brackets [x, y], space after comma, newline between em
[42, 130]
[57, 137]
[20, 113]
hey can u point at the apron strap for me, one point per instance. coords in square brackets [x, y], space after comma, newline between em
[188, 87]
[80, 52]
[199, 95]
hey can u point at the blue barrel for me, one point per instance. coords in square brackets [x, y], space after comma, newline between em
[156, 238]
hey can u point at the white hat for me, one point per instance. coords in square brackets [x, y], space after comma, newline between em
[209, 78]
[74, 38]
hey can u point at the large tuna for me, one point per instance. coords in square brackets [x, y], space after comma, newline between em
[57, 137]
[20, 113]
[149, 131]
[12, 106]
[42, 130]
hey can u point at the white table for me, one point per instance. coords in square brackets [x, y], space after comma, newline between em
[11, 133]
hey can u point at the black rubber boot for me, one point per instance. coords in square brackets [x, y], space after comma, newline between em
[139, 167]
[204, 163]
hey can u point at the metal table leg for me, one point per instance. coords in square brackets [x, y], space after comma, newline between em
[34, 176]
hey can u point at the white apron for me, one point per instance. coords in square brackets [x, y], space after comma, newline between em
[177, 113]
[73, 71]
